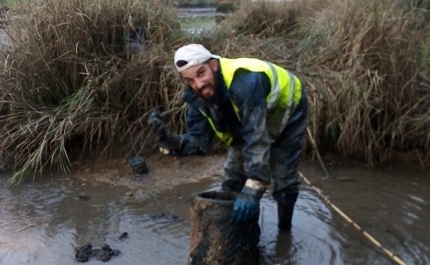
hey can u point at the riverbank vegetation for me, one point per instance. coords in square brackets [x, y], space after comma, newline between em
[71, 84]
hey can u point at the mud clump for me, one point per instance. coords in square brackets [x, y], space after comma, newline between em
[138, 165]
[164, 216]
[86, 252]
[123, 236]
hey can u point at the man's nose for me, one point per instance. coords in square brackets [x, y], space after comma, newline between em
[200, 84]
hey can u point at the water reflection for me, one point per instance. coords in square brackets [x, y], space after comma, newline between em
[311, 239]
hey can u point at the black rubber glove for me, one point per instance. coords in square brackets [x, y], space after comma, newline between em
[247, 203]
[156, 124]
[166, 139]
[245, 207]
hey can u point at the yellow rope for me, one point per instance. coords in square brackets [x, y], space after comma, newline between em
[393, 257]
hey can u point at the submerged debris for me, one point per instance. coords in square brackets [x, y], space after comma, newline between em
[84, 253]
[83, 197]
[167, 216]
[123, 236]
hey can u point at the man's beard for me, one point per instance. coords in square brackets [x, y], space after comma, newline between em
[216, 97]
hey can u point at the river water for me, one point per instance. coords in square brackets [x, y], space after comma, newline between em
[42, 221]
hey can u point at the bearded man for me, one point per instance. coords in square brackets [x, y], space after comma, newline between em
[258, 109]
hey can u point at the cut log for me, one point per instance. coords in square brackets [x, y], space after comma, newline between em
[215, 238]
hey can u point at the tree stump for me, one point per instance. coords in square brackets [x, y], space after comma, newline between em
[215, 238]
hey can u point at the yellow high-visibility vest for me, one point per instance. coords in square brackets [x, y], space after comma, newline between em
[284, 95]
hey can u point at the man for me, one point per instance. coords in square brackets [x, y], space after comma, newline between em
[258, 109]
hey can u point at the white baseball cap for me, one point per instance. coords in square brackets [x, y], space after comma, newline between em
[191, 55]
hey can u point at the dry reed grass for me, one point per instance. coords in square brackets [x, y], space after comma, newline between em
[365, 64]
[366, 58]
[69, 82]
[68, 79]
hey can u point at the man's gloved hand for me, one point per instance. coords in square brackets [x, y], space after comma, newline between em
[245, 207]
[156, 124]
[247, 203]
[169, 141]
[166, 139]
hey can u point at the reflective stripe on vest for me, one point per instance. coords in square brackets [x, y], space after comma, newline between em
[276, 89]
[226, 138]
[274, 95]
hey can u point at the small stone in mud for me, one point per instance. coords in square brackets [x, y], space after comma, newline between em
[123, 236]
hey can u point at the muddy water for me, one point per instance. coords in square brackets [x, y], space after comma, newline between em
[42, 221]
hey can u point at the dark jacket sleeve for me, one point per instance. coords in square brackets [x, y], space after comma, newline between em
[199, 137]
[249, 91]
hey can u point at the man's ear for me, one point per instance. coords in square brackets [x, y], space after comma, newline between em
[213, 64]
